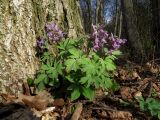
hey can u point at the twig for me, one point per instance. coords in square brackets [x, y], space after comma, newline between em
[77, 111]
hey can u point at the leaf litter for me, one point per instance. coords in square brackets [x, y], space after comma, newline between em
[135, 81]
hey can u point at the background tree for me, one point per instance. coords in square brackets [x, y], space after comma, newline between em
[21, 23]
[100, 12]
[135, 20]
[86, 8]
[155, 32]
[131, 28]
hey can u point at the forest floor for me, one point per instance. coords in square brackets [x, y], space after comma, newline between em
[135, 80]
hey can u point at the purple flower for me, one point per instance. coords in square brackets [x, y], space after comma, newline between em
[102, 38]
[99, 35]
[53, 32]
[40, 42]
[95, 47]
[117, 42]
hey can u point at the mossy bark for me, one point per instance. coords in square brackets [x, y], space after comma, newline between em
[21, 22]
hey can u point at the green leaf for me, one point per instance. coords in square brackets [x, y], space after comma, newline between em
[30, 81]
[62, 53]
[71, 64]
[115, 86]
[75, 94]
[70, 79]
[50, 70]
[59, 68]
[53, 75]
[102, 67]
[97, 81]
[75, 53]
[45, 56]
[46, 81]
[158, 114]
[71, 87]
[88, 93]
[117, 52]
[90, 68]
[110, 66]
[83, 60]
[40, 78]
[91, 80]
[142, 105]
[95, 56]
[54, 82]
[61, 46]
[83, 80]
[112, 57]
[107, 82]
[44, 67]
[41, 86]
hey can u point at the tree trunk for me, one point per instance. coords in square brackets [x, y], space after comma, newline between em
[155, 8]
[100, 12]
[116, 19]
[120, 24]
[21, 22]
[131, 29]
[86, 15]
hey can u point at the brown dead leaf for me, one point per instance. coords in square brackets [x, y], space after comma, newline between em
[40, 101]
[152, 67]
[154, 70]
[50, 116]
[120, 115]
[126, 93]
[145, 87]
[47, 114]
[122, 74]
[135, 75]
[59, 102]
[138, 94]
[8, 98]
[103, 114]
[156, 87]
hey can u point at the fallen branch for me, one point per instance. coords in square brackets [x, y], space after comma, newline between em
[77, 111]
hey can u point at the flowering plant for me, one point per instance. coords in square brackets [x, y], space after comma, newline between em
[74, 71]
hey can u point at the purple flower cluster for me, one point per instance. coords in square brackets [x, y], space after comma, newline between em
[116, 43]
[40, 43]
[53, 32]
[99, 36]
[103, 39]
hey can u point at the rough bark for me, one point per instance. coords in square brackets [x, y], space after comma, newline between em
[120, 24]
[21, 22]
[100, 12]
[131, 29]
[86, 15]
[155, 9]
[116, 19]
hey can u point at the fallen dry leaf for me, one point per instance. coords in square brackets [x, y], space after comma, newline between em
[120, 115]
[49, 117]
[8, 98]
[40, 101]
[138, 94]
[58, 102]
[126, 93]
[135, 75]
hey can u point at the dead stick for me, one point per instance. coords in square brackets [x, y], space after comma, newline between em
[77, 111]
